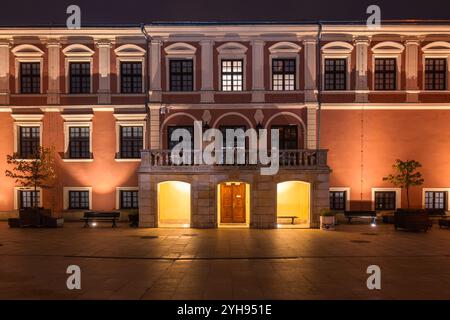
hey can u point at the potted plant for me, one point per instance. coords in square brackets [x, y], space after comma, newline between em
[133, 218]
[327, 219]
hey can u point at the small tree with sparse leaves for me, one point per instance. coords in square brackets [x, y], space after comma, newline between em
[36, 172]
[406, 175]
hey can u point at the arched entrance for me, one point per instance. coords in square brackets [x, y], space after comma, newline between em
[233, 204]
[294, 204]
[174, 204]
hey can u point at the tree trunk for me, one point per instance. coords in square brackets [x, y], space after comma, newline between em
[407, 196]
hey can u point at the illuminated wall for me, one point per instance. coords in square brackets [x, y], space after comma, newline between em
[293, 199]
[174, 203]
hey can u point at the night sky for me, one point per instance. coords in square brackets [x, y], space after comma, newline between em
[110, 12]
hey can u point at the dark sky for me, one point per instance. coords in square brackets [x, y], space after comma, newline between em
[94, 12]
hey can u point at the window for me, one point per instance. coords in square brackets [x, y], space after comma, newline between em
[131, 141]
[232, 75]
[385, 200]
[288, 137]
[129, 199]
[131, 77]
[181, 75]
[435, 199]
[78, 199]
[283, 74]
[335, 74]
[30, 77]
[435, 74]
[80, 77]
[385, 74]
[171, 144]
[337, 200]
[29, 199]
[29, 142]
[79, 143]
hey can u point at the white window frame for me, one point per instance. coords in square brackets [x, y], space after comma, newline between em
[66, 196]
[180, 51]
[398, 196]
[17, 198]
[337, 50]
[388, 50]
[130, 53]
[28, 53]
[124, 120]
[29, 120]
[77, 120]
[78, 53]
[118, 190]
[347, 195]
[439, 50]
[232, 51]
[285, 50]
[436, 189]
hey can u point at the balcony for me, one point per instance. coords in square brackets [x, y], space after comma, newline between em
[162, 161]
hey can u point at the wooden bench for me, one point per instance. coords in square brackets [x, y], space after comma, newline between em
[444, 223]
[359, 214]
[412, 219]
[288, 217]
[92, 216]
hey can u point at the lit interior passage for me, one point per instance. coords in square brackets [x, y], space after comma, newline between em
[174, 204]
[293, 204]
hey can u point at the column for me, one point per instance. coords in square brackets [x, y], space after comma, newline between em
[155, 70]
[361, 87]
[104, 71]
[311, 127]
[411, 70]
[5, 46]
[257, 71]
[53, 47]
[207, 90]
[154, 127]
[310, 46]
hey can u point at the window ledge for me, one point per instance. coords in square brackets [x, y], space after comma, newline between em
[78, 160]
[127, 160]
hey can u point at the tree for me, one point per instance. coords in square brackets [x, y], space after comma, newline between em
[406, 175]
[37, 172]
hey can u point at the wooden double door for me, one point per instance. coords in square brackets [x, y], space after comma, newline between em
[232, 202]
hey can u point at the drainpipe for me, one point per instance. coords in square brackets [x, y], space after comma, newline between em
[319, 83]
[147, 75]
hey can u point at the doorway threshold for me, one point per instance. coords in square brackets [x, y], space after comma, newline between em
[233, 225]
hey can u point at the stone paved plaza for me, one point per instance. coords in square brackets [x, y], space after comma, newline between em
[126, 263]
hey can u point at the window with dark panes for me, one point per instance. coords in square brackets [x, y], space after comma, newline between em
[335, 74]
[29, 142]
[435, 199]
[131, 141]
[337, 200]
[385, 200]
[30, 77]
[78, 199]
[235, 147]
[80, 77]
[181, 75]
[29, 199]
[170, 131]
[79, 142]
[283, 74]
[131, 77]
[435, 74]
[385, 73]
[129, 199]
[288, 137]
[232, 75]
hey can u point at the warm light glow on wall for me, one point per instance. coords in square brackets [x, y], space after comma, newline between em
[293, 199]
[174, 203]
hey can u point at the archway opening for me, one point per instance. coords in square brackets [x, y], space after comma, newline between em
[233, 204]
[293, 204]
[174, 204]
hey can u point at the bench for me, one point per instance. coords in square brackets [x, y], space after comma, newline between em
[444, 223]
[92, 216]
[412, 219]
[359, 214]
[288, 217]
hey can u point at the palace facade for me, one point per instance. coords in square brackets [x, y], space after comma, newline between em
[347, 101]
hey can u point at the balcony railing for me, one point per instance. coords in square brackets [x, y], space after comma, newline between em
[307, 159]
